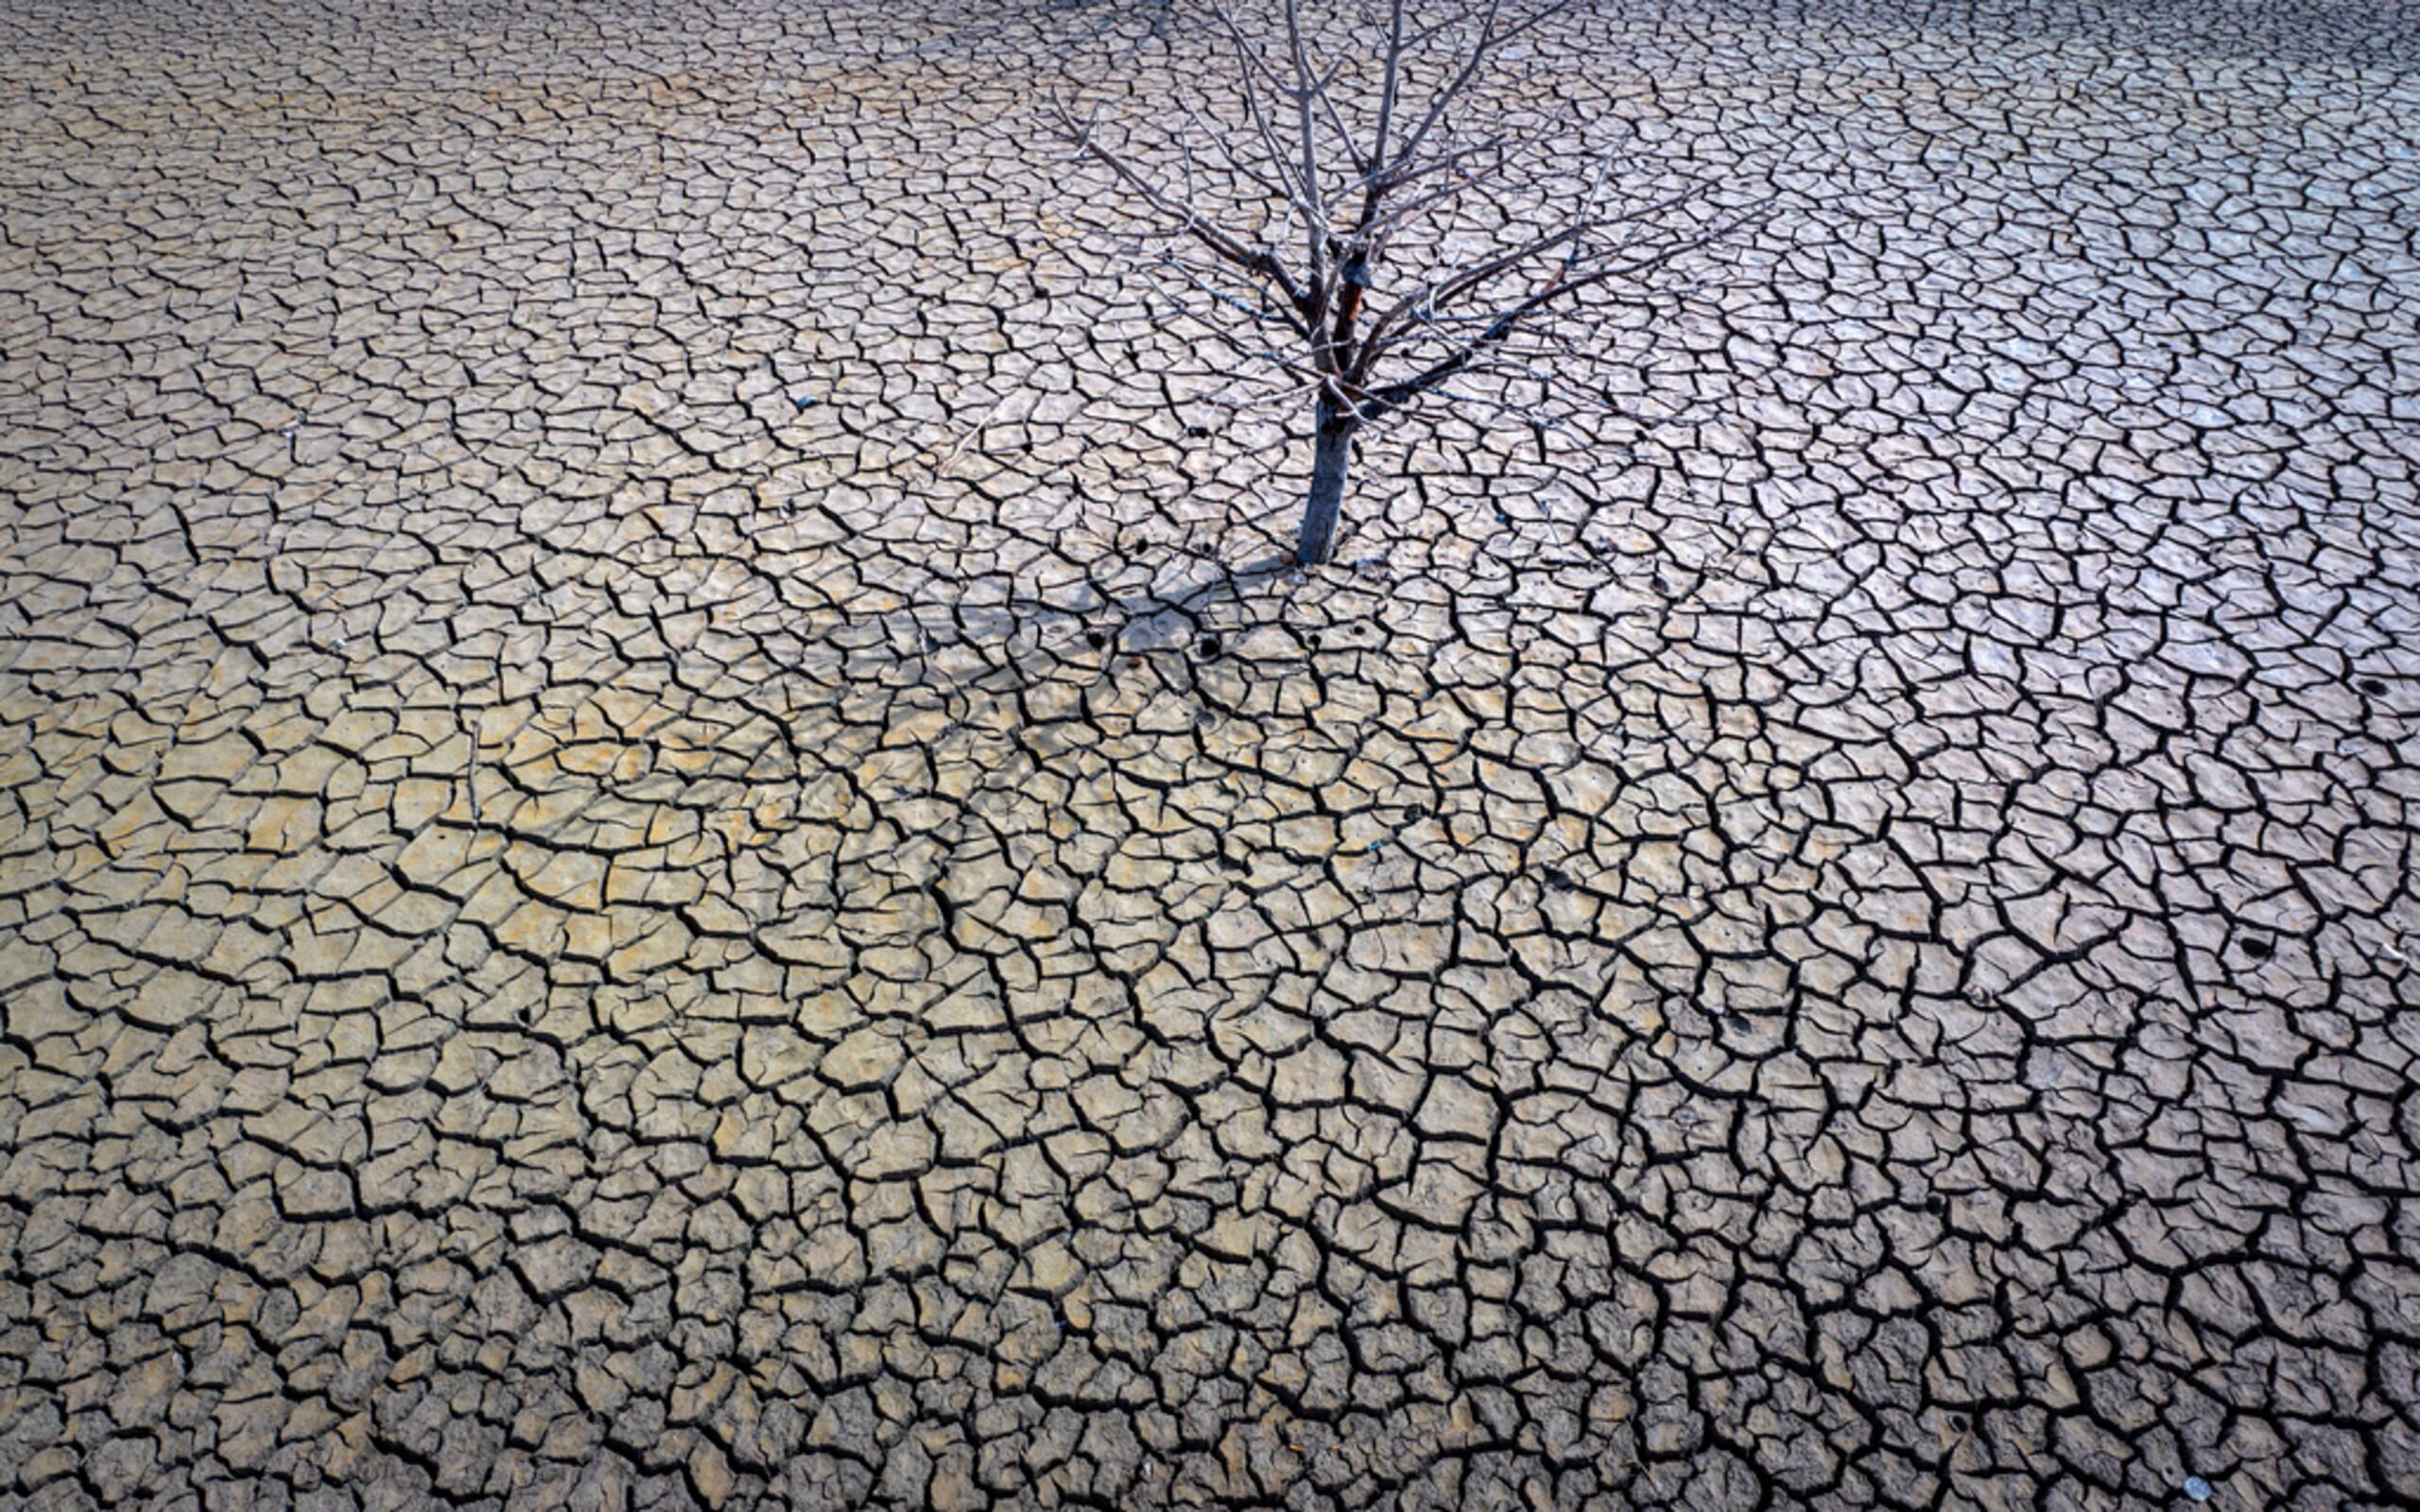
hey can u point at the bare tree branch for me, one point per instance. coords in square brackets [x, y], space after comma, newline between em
[1388, 136]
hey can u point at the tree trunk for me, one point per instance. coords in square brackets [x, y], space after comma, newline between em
[1328, 465]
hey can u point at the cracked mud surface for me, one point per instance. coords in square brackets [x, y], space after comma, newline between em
[644, 860]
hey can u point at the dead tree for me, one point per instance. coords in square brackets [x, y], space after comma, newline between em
[1377, 192]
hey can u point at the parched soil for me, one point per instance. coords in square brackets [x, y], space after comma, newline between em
[664, 842]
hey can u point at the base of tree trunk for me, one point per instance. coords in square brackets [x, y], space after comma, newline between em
[1334, 456]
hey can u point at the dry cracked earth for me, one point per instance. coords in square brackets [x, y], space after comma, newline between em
[659, 847]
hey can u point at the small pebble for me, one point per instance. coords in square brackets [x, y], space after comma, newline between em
[2196, 1487]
